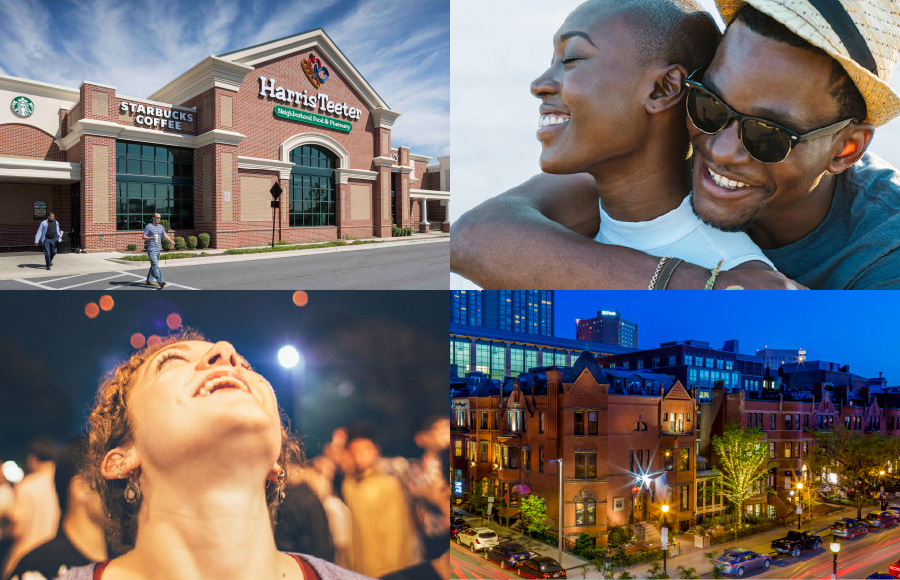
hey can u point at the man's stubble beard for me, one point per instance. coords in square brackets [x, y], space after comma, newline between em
[741, 227]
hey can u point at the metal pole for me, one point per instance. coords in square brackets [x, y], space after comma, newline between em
[560, 511]
[665, 548]
[834, 571]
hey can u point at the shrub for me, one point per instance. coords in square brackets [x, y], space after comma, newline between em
[617, 536]
[620, 559]
[203, 241]
[179, 243]
[166, 244]
[192, 242]
[395, 231]
[132, 247]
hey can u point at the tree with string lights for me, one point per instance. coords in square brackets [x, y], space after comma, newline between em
[744, 458]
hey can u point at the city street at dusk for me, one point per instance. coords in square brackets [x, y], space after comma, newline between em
[686, 418]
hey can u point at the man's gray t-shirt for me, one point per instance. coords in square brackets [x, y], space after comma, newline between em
[154, 230]
[858, 245]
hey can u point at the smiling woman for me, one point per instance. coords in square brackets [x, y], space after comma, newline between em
[188, 451]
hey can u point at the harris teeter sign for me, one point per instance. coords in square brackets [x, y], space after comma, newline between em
[312, 119]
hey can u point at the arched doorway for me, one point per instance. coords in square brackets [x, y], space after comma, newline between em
[312, 192]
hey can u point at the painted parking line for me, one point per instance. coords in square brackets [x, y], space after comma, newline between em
[43, 285]
[119, 275]
[173, 284]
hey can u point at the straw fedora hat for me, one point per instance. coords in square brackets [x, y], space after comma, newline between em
[862, 35]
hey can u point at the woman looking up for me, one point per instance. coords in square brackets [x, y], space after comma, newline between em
[188, 452]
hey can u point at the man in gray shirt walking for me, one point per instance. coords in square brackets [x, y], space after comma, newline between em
[49, 234]
[153, 233]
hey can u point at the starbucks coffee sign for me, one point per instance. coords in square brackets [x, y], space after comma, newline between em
[22, 106]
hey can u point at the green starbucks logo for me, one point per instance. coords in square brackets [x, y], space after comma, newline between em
[22, 106]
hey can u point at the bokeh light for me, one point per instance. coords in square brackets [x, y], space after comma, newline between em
[106, 303]
[288, 357]
[173, 321]
[153, 340]
[300, 298]
[12, 472]
[138, 341]
[91, 310]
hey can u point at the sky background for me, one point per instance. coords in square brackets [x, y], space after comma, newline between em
[369, 356]
[494, 58]
[401, 47]
[858, 328]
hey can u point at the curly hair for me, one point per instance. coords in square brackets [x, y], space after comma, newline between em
[110, 426]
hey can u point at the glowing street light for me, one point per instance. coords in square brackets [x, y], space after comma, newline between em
[835, 548]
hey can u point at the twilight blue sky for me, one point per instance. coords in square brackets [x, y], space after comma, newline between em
[858, 328]
[401, 47]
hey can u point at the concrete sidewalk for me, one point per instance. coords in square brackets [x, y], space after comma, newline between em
[26, 264]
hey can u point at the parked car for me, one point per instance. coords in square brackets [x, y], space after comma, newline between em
[795, 542]
[457, 524]
[738, 561]
[881, 519]
[894, 569]
[880, 576]
[895, 509]
[477, 539]
[849, 528]
[507, 554]
[541, 567]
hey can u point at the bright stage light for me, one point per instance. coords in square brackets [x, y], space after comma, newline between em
[288, 357]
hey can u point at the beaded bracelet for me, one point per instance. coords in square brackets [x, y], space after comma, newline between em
[713, 274]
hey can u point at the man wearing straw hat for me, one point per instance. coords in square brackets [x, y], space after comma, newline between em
[779, 123]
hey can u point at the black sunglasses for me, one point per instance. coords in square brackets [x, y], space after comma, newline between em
[764, 140]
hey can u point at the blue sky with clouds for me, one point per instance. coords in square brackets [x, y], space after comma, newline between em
[401, 47]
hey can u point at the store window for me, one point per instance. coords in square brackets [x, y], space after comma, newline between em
[312, 187]
[151, 179]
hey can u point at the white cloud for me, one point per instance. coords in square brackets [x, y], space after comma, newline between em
[139, 46]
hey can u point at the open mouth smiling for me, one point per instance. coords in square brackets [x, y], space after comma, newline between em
[220, 382]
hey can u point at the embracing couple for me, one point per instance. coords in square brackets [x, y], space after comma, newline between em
[732, 162]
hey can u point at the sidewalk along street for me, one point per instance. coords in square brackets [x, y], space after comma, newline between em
[24, 264]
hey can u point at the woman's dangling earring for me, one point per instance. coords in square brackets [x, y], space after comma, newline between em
[279, 480]
[132, 492]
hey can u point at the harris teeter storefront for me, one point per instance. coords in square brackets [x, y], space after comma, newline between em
[205, 151]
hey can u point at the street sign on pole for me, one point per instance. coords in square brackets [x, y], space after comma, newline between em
[799, 510]
[664, 537]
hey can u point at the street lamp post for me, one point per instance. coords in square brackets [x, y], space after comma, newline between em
[882, 490]
[665, 536]
[560, 502]
[800, 503]
[835, 548]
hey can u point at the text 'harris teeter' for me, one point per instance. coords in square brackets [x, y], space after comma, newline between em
[267, 88]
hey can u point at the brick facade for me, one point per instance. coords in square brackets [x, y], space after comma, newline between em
[238, 138]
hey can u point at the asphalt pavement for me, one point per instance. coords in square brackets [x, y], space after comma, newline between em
[418, 262]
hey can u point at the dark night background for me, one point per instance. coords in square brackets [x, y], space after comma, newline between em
[380, 357]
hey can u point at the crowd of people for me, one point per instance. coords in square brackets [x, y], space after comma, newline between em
[166, 461]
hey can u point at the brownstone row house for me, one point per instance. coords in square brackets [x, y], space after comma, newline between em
[631, 441]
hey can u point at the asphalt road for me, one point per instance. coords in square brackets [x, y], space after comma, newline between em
[464, 564]
[858, 558]
[408, 267]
